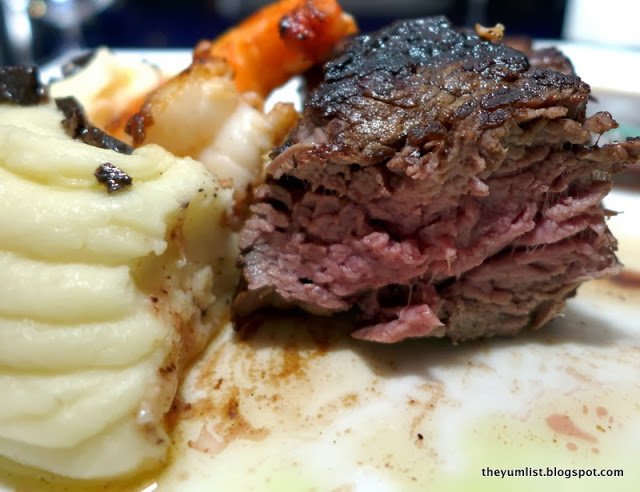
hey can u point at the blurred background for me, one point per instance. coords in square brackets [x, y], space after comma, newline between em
[39, 30]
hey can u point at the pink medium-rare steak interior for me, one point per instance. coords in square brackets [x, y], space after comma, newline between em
[437, 185]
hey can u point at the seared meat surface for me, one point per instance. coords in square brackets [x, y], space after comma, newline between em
[437, 185]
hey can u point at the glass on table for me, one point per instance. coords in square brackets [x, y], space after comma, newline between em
[66, 17]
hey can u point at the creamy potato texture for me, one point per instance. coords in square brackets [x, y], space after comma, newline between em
[104, 297]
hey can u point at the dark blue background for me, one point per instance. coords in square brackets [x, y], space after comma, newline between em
[170, 24]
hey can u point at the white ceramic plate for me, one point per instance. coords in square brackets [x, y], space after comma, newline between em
[295, 408]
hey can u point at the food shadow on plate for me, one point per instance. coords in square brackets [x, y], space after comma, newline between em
[296, 332]
[292, 374]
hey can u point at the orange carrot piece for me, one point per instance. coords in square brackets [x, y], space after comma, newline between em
[281, 40]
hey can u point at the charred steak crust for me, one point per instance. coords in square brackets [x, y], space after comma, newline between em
[437, 185]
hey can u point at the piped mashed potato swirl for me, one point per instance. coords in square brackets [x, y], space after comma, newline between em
[104, 298]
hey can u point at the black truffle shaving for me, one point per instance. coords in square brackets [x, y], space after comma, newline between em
[112, 176]
[77, 63]
[21, 85]
[97, 138]
[74, 118]
[77, 126]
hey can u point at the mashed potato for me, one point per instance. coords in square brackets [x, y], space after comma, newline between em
[104, 297]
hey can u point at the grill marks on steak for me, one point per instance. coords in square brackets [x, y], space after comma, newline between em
[437, 185]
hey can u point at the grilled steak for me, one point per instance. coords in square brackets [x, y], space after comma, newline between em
[437, 185]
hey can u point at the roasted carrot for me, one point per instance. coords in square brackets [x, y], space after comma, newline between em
[281, 40]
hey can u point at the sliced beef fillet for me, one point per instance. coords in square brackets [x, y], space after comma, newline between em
[437, 185]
